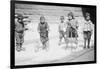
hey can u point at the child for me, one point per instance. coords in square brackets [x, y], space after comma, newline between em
[72, 26]
[87, 30]
[19, 31]
[62, 29]
[43, 29]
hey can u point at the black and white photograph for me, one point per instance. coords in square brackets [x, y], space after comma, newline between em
[44, 33]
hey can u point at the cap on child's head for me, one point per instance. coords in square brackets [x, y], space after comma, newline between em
[42, 17]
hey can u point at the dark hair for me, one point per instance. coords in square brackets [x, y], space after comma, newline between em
[61, 16]
[71, 14]
[42, 17]
[87, 14]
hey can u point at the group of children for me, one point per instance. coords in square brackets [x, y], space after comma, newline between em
[67, 30]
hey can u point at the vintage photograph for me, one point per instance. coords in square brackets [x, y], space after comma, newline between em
[46, 34]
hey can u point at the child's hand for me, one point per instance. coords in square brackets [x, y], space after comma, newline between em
[91, 32]
[39, 31]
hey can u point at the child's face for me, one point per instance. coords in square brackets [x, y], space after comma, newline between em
[62, 18]
[69, 17]
[20, 19]
[87, 18]
[16, 19]
[42, 20]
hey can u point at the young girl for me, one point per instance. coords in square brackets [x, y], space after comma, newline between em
[72, 26]
[87, 30]
[43, 29]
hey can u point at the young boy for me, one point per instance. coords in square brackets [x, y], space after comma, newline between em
[62, 29]
[43, 29]
[72, 26]
[19, 31]
[87, 30]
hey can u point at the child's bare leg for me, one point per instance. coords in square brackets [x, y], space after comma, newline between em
[76, 35]
[85, 39]
[18, 44]
[89, 41]
[85, 42]
[21, 40]
[44, 45]
[60, 40]
[41, 38]
[66, 40]
[18, 47]
[47, 44]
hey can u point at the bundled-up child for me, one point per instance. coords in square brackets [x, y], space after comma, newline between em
[19, 31]
[43, 29]
[87, 30]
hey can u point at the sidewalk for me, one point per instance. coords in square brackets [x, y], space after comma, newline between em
[52, 56]
[80, 56]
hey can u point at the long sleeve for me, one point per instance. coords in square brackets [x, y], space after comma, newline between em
[87, 26]
[38, 27]
[91, 26]
[47, 27]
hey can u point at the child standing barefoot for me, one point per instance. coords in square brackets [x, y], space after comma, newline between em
[87, 30]
[72, 27]
[19, 31]
[43, 29]
[62, 29]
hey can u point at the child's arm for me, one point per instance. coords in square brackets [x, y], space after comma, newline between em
[59, 27]
[83, 26]
[91, 27]
[77, 25]
[47, 27]
[38, 27]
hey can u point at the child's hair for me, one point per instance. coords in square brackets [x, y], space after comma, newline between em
[87, 14]
[61, 17]
[42, 17]
[71, 14]
[18, 15]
